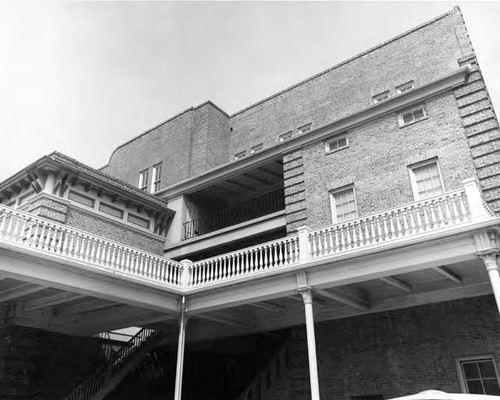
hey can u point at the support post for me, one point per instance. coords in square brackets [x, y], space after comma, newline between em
[490, 262]
[304, 248]
[186, 273]
[311, 342]
[180, 350]
[473, 193]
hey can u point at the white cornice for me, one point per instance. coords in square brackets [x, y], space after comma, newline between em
[398, 102]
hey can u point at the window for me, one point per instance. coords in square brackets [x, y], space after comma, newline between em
[108, 209]
[156, 177]
[381, 96]
[426, 180]
[257, 148]
[479, 375]
[239, 155]
[286, 136]
[305, 128]
[136, 220]
[411, 116]
[339, 143]
[80, 198]
[404, 87]
[144, 179]
[343, 204]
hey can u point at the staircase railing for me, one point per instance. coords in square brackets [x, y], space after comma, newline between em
[44, 235]
[106, 372]
[267, 376]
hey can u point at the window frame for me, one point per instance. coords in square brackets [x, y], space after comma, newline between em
[401, 114]
[461, 373]
[404, 87]
[413, 180]
[143, 176]
[333, 208]
[328, 150]
[256, 148]
[377, 98]
[285, 136]
[155, 180]
[240, 155]
[304, 128]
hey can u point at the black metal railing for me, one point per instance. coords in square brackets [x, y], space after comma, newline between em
[255, 208]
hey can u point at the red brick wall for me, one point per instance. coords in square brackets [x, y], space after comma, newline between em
[377, 160]
[40, 365]
[393, 353]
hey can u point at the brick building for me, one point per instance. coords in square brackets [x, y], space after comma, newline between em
[365, 197]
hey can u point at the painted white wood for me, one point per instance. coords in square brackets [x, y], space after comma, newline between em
[180, 350]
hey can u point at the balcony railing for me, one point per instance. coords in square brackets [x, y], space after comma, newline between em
[46, 236]
[255, 208]
[398, 225]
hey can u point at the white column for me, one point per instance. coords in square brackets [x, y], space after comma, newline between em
[490, 261]
[473, 193]
[180, 350]
[311, 342]
[304, 247]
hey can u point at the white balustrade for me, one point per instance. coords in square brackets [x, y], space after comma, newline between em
[409, 220]
[49, 237]
[264, 257]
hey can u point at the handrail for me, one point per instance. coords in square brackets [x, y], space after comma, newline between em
[246, 211]
[250, 260]
[422, 216]
[97, 381]
[27, 230]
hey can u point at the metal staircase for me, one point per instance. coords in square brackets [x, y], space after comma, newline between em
[110, 374]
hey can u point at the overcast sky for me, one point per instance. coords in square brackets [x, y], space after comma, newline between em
[84, 77]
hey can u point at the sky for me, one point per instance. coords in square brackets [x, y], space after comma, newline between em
[82, 77]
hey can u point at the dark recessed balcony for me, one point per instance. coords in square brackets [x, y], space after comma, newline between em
[246, 211]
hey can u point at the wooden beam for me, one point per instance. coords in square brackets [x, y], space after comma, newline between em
[219, 320]
[55, 299]
[86, 306]
[241, 185]
[269, 306]
[272, 173]
[19, 291]
[341, 298]
[448, 273]
[259, 180]
[396, 282]
[317, 300]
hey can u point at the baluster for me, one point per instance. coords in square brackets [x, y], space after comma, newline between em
[425, 219]
[418, 219]
[3, 220]
[29, 232]
[281, 260]
[8, 230]
[275, 255]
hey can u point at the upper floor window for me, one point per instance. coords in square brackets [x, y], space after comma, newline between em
[257, 148]
[285, 136]
[479, 375]
[343, 204]
[426, 180]
[239, 155]
[381, 96]
[336, 144]
[143, 179]
[156, 177]
[404, 87]
[409, 117]
[305, 128]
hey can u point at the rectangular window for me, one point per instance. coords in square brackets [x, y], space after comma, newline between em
[286, 136]
[305, 128]
[136, 220]
[426, 180]
[336, 144]
[257, 148]
[404, 87]
[144, 180]
[80, 198]
[411, 116]
[156, 177]
[343, 204]
[239, 155]
[479, 375]
[381, 96]
[108, 209]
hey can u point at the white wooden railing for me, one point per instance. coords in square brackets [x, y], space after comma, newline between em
[252, 260]
[46, 236]
[410, 220]
[399, 224]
